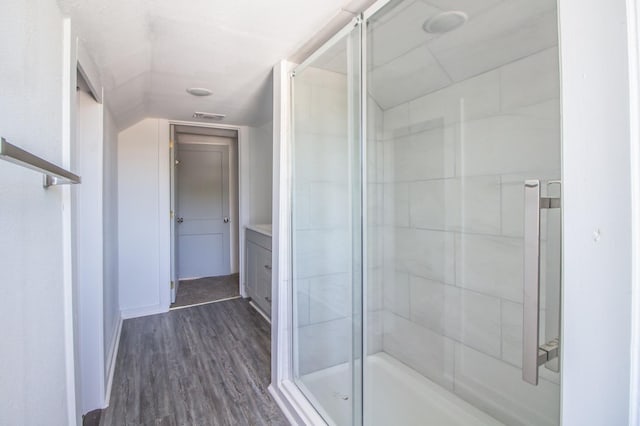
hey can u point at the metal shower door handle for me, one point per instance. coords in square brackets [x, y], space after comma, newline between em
[534, 355]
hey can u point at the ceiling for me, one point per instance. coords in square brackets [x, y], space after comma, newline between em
[150, 51]
[405, 62]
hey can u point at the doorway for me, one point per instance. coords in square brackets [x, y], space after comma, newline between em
[204, 206]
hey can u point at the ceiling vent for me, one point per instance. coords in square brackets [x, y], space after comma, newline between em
[209, 116]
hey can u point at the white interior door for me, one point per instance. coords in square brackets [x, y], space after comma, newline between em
[202, 210]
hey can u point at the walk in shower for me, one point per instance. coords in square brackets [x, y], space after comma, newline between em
[425, 228]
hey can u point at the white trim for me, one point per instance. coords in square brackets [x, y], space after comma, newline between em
[143, 311]
[373, 9]
[68, 123]
[343, 32]
[633, 23]
[113, 356]
[254, 306]
[204, 303]
[89, 71]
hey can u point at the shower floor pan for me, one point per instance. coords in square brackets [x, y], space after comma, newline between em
[396, 395]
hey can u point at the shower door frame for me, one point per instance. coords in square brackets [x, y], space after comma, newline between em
[610, 388]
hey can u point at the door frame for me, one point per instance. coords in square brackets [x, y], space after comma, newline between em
[601, 218]
[237, 251]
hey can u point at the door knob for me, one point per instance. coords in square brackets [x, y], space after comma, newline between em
[226, 220]
[180, 220]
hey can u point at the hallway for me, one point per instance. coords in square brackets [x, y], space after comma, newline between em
[206, 365]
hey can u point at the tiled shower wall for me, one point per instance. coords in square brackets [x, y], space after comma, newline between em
[321, 227]
[445, 197]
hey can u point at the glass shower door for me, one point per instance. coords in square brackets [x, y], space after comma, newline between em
[326, 229]
[462, 111]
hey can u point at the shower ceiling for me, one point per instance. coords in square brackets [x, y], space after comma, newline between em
[148, 52]
[498, 32]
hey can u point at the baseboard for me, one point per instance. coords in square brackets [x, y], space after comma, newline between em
[257, 308]
[143, 311]
[113, 356]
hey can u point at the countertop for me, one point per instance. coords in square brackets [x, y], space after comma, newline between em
[264, 229]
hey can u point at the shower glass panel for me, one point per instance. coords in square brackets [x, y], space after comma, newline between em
[326, 229]
[462, 109]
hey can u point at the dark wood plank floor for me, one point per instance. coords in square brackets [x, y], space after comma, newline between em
[205, 365]
[202, 290]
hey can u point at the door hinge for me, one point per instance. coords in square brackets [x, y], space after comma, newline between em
[172, 285]
[171, 214]
[170, 144]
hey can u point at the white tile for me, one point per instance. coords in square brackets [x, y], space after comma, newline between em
[428, 303]
[531, 80]
[400, 32]
[429, 254]
[374, 289]
[434, 204]
[479, 320]
[498, 389]
[329, 297]
[329, 111]
[479, 210]
[375, 248]
[320, 157]
[329, 205]
[396, 122]
[321, 252]
[301, 292]
[469, 204]
[490, 265]
[421, 156]
[407, 77]
[375, 200]
[470, 7]
[375, 120]
[397, 295]
[468, 317]
[470, 99]
[396, 204]
[512, 30]
[507, 144]
[300, 204]
[374, 331]
[302, 106]
[375, 162]
[323, 345]
[427, 352]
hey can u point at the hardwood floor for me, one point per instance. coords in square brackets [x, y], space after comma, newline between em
[205, 365]
[202, 290]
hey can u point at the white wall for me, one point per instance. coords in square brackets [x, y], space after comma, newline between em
[143, 218]
[260, 172]
[597, 212]
[34, 389]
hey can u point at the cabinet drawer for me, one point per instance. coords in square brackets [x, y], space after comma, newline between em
[259, 239]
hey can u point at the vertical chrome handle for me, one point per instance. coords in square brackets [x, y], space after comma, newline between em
[534, 355]
[531, 309]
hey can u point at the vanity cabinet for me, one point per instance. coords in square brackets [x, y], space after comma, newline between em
[258, 264]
